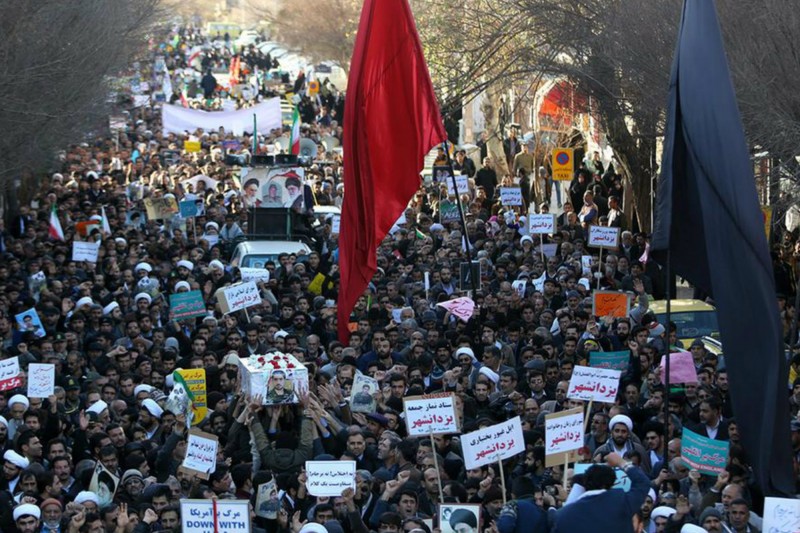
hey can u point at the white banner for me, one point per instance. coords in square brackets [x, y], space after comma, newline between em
[493, 443]
[330, 478]
[563, 431]
[603, 237]
[254, 274]
[429, 415]
[178, 119]
[510, 196]
[232, 516]
[238, 296]
[598, 384]
[462, 182]
[542, 224]
[85, 251]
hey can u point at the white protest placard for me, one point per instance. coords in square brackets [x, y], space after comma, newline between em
[336, 223]
[563, 433]
[462, 185]
[594, 384]
[549, 249]
[462, 307]
[85, 251]
[232, 516]
[237, 297]
[41, 380]
[9, 374]
[538, 283]
[330, 478]
[603, 237]
[510, 196]
[254, 274]
[519, 286]
[781, 515]
[430, 414]
[586, 264]
[493, 443]
[541, 224]
[201, 453]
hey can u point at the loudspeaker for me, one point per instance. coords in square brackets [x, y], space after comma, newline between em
[274, 222]
[285, 159]
[263, 160]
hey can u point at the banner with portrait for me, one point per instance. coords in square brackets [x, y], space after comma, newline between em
[274, 187]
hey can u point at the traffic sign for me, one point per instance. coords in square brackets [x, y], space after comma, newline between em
[563, 164]
[313, 88]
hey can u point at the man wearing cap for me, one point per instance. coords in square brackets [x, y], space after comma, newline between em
[17, 405]
[26, 518]
[13, 465]
[621, 442]
[150, 419]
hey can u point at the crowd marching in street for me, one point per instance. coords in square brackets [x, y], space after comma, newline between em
[111, 396]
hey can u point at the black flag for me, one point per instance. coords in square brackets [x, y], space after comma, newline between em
[707, 214]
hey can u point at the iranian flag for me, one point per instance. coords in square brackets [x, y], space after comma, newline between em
[55, 225]
[294, 140]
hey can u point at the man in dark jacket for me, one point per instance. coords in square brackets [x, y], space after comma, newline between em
[209, 84]
[601, 508]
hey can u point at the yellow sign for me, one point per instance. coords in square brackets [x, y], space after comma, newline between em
[315, 287]
[313, 88]
[563, 164]
[766, 212]
[195, 379]
[191, 146]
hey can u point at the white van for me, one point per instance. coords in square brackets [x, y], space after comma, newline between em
[255, 254]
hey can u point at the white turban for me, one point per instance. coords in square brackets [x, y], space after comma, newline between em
[27, 509]
[86, 496]
[468, 351]
[120, 240]
[144, 266]
[107, 310]
[489, 373]
[216, 263]
[16, 459]
[86, 300]
[691, 528]
[4, 421]
[620, 419]
[19, 398]
[313, 527]
[182, 285]
[142, 387]
[98, 407]
[662, 512]
[186, 264]
[152, 407]
[143, 295]
[212, 224]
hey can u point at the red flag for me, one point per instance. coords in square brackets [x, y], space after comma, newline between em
[391, 121]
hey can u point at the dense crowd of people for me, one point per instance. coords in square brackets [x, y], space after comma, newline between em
[107, 328]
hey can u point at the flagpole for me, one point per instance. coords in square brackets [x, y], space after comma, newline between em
[667, 418]
[255, 135]
[461, 215]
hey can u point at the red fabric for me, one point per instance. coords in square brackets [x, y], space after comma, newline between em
[391, 121]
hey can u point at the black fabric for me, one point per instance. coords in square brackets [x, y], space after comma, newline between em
[707, 214]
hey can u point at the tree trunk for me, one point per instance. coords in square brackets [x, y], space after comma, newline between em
[633, 155]
[494, 144]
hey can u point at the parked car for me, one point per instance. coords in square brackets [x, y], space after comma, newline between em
[693, 318]
[256, 254]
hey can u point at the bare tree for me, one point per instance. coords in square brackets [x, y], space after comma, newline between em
[324, 30]
[57, 59]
